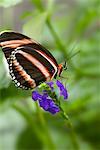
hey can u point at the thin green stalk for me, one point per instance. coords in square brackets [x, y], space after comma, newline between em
[62, 48]
[45, 129]
[29, 119]
[72, 132]
[57, 39]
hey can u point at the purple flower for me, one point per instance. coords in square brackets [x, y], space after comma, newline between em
[36, 95]
[63, 90]
[53, 108]
[48, 99]
[45, 102]
[51, 84]
[48, 105]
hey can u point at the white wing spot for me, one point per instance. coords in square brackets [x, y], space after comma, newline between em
[13, 61]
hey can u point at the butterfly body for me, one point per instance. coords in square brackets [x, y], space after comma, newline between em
[30, 63]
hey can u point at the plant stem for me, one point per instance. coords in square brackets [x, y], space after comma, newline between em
[43, 134]
[72, 132]
[62, 48]
[57, 39]
[42, 121]
[27, 117]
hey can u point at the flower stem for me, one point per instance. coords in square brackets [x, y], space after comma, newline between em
[70, 126]
[42, 121]
[43, 135]
[28, 118]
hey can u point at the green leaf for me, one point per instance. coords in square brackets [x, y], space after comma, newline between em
[25, 140]
[11, 94]
[8, 123]
[26, 14]
[81, 20]
[8, 3]
[34, 27]
[38, 4]
[50, 7]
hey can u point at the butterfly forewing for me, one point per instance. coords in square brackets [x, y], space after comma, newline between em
[9, 41]
[30, 64]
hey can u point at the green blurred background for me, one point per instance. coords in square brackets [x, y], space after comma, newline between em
[63, 27]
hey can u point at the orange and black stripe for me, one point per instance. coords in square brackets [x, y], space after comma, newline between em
[29, 62]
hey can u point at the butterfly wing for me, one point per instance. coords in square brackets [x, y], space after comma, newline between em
[25, 69]
[9, 41]
[29, 62]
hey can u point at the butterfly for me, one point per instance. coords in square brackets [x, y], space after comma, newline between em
[30, 64]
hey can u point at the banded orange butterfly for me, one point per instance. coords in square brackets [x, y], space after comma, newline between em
[29, 62]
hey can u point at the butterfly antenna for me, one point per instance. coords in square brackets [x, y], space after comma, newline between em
[73, 47]
[73, 55]
[62, 77]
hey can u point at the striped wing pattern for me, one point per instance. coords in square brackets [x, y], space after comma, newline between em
[30, 64]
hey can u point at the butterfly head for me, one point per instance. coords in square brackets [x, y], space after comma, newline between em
[62, 67]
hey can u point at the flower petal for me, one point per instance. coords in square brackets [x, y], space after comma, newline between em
[36, 95]
[53, 109]
[44, 104]
[48, 105]
[64, 93]
[45, 94]
[51, 85]
[59, 84]
[63, 90]
[44, 98]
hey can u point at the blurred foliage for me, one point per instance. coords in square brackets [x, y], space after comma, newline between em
[7, 3]
[63, 27]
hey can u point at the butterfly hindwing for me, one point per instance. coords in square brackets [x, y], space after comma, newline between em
[29, 62]
[24, 72]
